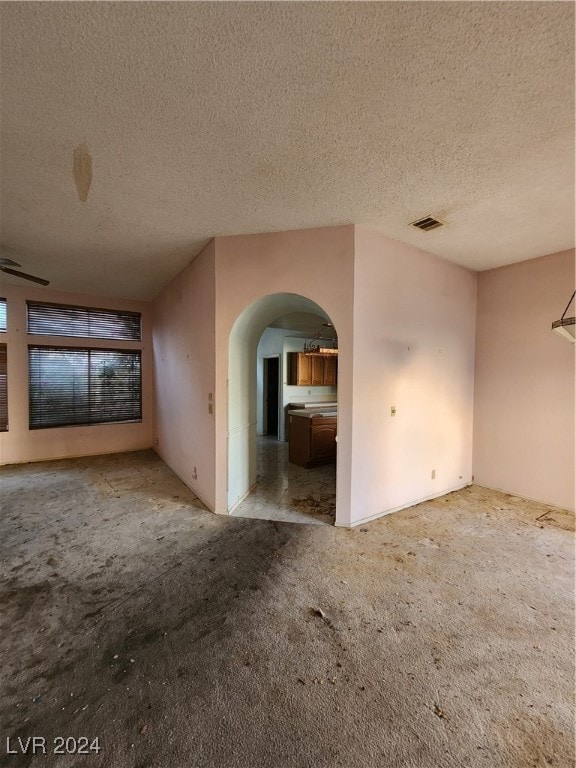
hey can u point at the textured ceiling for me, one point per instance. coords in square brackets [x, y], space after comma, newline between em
[203, 119]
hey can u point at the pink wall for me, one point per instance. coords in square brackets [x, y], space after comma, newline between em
[383, 297]
[414, 318]
[184, 317]
[524, 401]
[20, 444]
[314, 263]
[406, 327]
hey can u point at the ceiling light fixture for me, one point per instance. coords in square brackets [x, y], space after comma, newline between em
[319, 335]
[566, 326]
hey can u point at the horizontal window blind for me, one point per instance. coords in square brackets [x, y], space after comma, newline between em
[83, 386]
[2, 314]
[3, 389]
[86, 322]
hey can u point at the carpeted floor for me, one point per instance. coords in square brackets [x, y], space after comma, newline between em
[438, 637]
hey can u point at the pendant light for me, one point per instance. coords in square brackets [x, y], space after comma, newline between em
[566, 326]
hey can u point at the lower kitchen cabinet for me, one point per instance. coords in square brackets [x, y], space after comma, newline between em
[312, 440]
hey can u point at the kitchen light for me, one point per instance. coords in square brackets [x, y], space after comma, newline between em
[566, 326]
[319, 335]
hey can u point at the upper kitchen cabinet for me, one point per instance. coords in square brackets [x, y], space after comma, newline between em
[312, 369]
[299, 369]
[330, 370]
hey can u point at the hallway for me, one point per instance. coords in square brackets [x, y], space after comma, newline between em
[287, 492]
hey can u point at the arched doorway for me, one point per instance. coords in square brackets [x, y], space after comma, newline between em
[242, 427]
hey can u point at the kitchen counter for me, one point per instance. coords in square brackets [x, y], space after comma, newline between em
[321, 404]
[308, 414]
[301, 407]
[312, 437]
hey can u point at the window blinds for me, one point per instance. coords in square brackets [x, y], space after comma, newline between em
[3, 389]
[87, 322]
[83, 386]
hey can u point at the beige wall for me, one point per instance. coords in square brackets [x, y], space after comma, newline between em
[21, 444]
[414, 317]
[184, 317]
[524, 399]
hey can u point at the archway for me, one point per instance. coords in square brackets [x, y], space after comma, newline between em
[242, 385]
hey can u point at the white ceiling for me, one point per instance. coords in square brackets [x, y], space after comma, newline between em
[305, 323]
[225, 118]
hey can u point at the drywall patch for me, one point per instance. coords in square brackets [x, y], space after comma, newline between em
[82, 171]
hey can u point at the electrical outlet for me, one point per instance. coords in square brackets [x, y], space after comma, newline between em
[195, 474]
[433, 474]
[393, 410]
[210, 408]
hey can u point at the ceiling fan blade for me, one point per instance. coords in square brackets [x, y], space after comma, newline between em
[4, 262]
[33, 278]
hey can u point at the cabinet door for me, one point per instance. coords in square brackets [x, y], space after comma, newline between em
[300, 369]
[330, 370]
[317, 370]
[304, 369]
[323, 442]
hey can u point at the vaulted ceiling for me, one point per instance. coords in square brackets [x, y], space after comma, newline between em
[134, 132]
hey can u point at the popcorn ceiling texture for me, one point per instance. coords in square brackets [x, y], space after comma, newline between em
[205, 119]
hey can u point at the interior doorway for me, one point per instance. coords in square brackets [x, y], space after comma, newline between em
[271, 394]
[262, 387]
[258, 469]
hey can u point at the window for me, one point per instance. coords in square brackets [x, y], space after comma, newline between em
[86, 322]
[3, 389]
[2, 314]
[73, 385]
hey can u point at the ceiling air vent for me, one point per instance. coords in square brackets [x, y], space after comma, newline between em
[428, 223]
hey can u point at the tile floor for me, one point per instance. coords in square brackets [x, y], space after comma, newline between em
[287, 492]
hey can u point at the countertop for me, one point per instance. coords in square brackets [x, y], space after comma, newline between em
[307, 414]
[322, 404]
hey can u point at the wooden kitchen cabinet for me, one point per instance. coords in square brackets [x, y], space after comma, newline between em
[312, 440]
[312, 370]
[322, 439]
[300, 369]
[330, 370]
[317, 370]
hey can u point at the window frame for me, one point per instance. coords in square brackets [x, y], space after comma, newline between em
[137, 353]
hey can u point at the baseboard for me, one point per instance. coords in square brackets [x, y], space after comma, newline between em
[369, 519]
[523, 496]
[194, 491]
[240, 500]
[68, 457]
